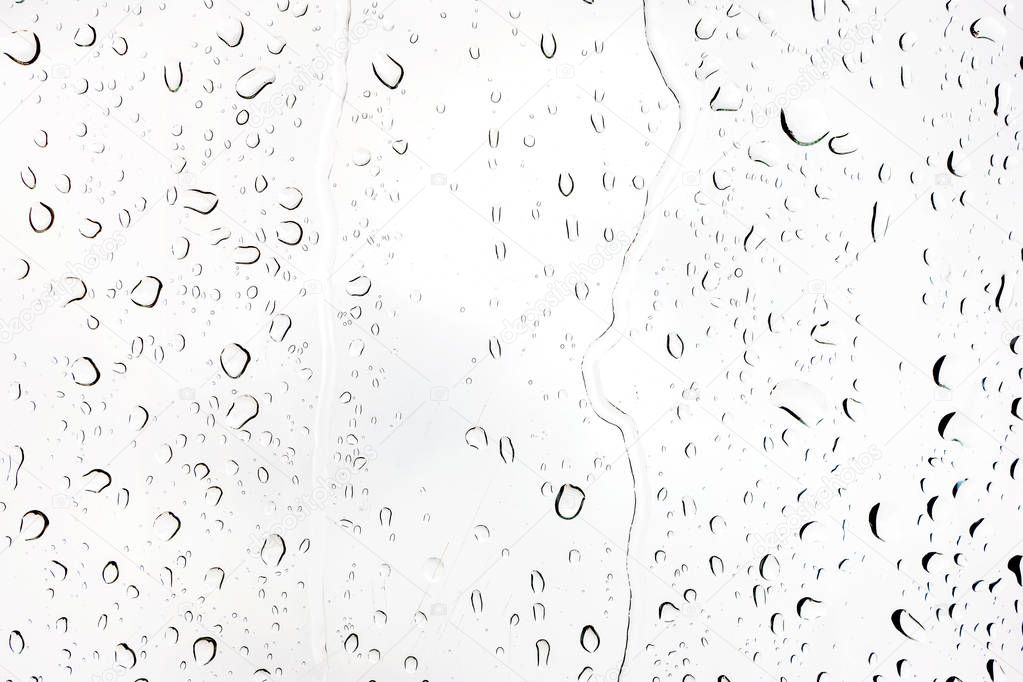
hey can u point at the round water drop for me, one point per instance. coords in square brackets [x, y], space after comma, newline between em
[16, 642]
[589, 639]
[146, 292]
[803, 122]
[166, 525]
[548, 45]
[204, 650]
[234, 360]
[84, 372]
[273, 550]
[358, 286]
[986, 28]
[387, 70]
[231, 32]
[33, 524]
[569, 501]
[668, 612]
[41, 217]
[242, 411]
[676, 346]
[279, 327]
[476, 438]
[254, 81]
[361, 157]
[22, 47]
[433, 569]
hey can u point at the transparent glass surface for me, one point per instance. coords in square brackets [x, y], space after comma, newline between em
[551, 341]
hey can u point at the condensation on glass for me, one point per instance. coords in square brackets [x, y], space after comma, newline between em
[583, 340]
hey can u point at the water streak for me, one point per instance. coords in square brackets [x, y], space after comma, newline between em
[622, 297]
[336, 89]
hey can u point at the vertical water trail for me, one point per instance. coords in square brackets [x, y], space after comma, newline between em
[621, 300]
[336, 88]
